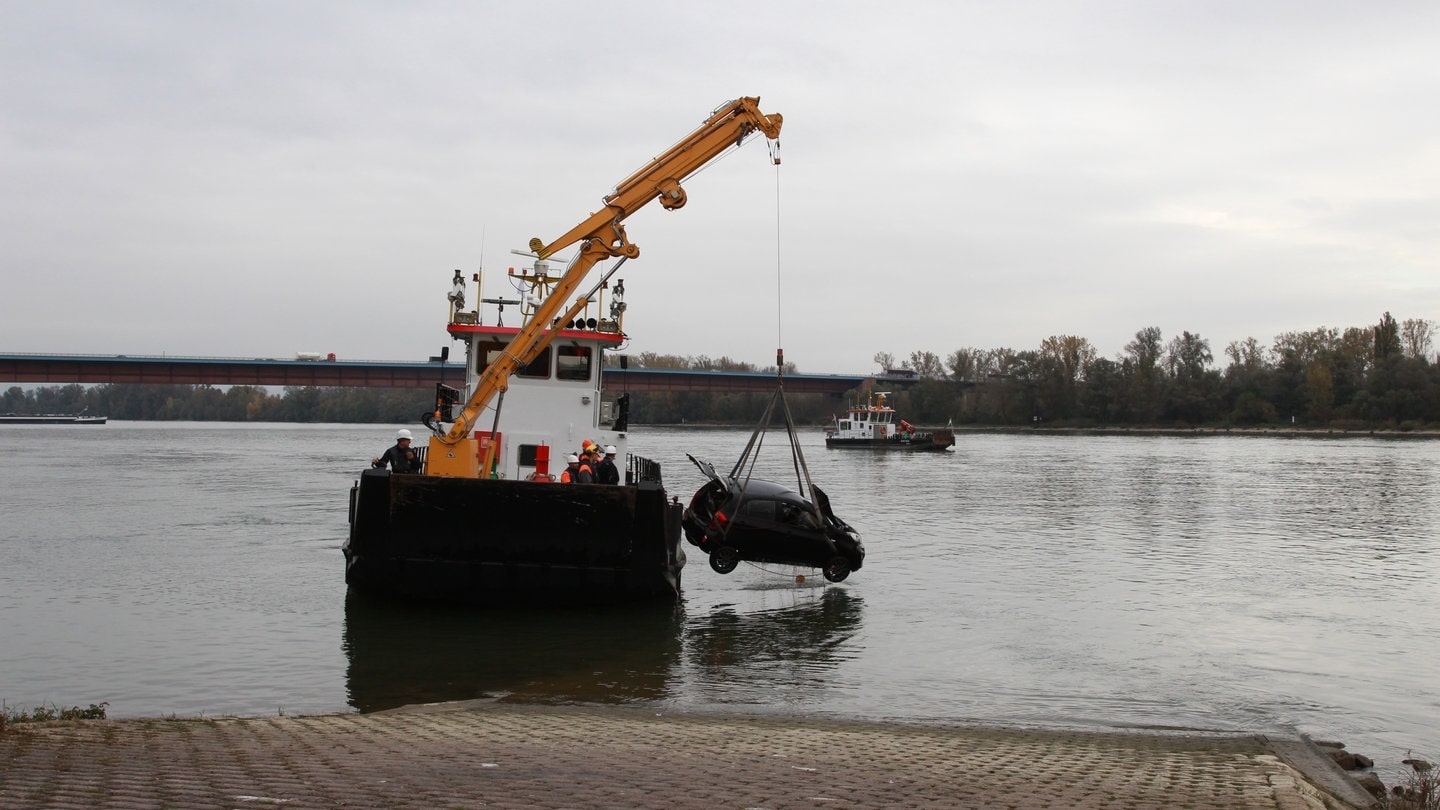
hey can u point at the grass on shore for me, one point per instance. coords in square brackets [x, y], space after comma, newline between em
[43, 714]
[1421, 790]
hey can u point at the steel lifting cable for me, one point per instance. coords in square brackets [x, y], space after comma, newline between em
[774, 147]
[757, 438]
[796, 454]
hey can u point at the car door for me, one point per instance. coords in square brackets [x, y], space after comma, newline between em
[774, 530]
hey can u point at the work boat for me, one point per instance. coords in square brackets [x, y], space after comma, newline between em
[486, 519]
[874, 425]
[518, 534]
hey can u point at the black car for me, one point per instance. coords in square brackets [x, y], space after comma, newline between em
[763, 521]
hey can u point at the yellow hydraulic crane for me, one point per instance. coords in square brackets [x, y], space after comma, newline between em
[601, 236]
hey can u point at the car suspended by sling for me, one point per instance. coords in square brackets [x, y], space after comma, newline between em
[734, 519]
[739, 517]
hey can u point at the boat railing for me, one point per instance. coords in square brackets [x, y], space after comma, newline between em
[639, 468]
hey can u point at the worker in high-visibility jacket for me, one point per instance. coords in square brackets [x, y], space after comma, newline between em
[586, 472]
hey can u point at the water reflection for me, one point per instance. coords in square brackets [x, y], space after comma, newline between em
[790, 654]
[401, 654]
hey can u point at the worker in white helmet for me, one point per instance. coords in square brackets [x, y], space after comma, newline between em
[401, 457]
[605, 470]
[571, 473]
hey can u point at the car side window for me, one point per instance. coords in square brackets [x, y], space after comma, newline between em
[761, 510]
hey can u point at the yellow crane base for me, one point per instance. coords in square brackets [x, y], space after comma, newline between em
[459, 460]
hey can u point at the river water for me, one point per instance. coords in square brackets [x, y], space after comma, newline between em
[1264, 584]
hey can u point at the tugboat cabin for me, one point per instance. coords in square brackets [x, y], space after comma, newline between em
[872, 420]
[553, 403]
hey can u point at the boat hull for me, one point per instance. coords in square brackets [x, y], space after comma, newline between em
[937, 441]
[503, 542]
[52, 419]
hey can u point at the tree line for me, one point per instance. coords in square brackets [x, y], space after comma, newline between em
[1376, 376]
[240, 403]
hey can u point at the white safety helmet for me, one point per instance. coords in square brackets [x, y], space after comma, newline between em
[402, 433]
[609, 449]
[572, 459]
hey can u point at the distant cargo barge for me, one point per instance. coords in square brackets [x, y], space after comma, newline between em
[50, 419]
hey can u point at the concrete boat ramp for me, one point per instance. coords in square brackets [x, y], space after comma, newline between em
[491, 754]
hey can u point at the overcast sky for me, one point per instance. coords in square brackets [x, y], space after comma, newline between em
[263, 178]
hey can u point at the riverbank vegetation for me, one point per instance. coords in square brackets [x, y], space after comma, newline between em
[1359, 378]
[1377, 376]
[10, 716]
[1420, 790]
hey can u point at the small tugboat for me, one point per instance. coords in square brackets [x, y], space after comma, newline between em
[874, 425]
[486, 519]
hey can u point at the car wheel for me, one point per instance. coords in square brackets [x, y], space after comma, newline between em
[724, 559]
[837, 569]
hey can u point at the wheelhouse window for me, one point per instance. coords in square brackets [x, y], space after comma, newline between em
[487, 353]
[573, 362]
[491, 351]
[538, 368]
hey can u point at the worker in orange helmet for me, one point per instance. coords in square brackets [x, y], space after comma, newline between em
[585, 473]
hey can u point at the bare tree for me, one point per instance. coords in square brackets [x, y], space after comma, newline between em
[1246, 354]
[1187, 355]
[1001, 361]
[1060, 367]
[966, 365]
[1415, 337]
[1144, 350]
[1069, 355]
[1302, 347]
[927, 365]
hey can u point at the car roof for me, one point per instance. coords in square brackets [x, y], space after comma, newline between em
[754, 487]
[760, 488]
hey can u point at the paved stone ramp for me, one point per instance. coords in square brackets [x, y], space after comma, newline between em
[498, 755]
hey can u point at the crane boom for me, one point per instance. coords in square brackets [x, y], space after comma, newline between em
[600, 236]
[661, 177]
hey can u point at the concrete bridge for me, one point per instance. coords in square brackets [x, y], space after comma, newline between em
[93, 369]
